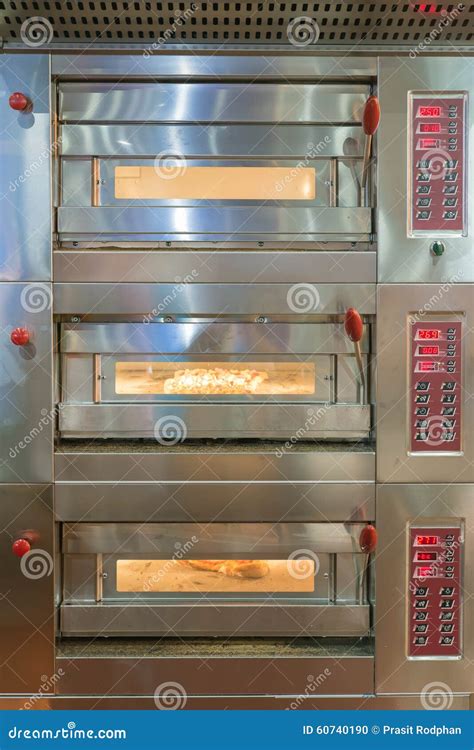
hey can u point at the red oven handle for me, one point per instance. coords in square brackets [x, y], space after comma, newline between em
[19, 102]
[353, 324]
[20, 336]
[371, 116]
[368, 539]
[21, 547]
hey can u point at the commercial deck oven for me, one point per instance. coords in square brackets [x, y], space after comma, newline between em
[237, 313]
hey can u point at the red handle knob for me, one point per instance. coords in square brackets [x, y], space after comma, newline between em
[368, 539]
[20, 336]
[353, 324]
[20, 547]
[18, 101]
[371, 116]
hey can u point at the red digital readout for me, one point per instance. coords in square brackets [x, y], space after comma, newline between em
[429, 112]
[424, 143]
[428, 366]
[428, 333]
[421, 541]
[427, 556]
[428, 350]
[430, 127]
[425, 571]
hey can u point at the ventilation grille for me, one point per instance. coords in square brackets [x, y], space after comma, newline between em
[41, 24]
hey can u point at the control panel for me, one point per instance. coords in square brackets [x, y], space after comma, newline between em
[438, 164]
[435, 394]
[434, 592]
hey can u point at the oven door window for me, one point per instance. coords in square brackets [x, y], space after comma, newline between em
[216, 378]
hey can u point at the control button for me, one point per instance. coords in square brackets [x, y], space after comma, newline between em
[421, 591]
[449, 575]
[449, 568]
[446, 640]
[423, 603]
[451, 369]
[449, 436]
[422, 398]
[450, 189]
[445, 604]
[452, 147]
[453, 141]
[450, 177]
[452, 131]
[448, 398]
[449, 385]
[449, 542]
[449, 424]
[423, 627]
[451, 164]
[451, 363]
[447, 591]
[448, 215]
[423, 164]
[448, 411]
[451, 330]
[421, 424]
[449, 537]
[421, 436]
[437, 247]
[422, 411]
[420, 640]
[424, 202]
[452, 124]
[446, 616]
[420, 616]
[447, 628]
[423, 385]
[423, 215]
[424, 177]
[423, 189]
[448, 202]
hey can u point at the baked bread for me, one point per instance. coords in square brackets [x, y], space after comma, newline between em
[231, 568]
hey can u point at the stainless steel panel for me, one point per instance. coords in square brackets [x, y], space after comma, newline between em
[26, 589]
[213, 223]
[246, 501]
[266, 419]
[301, 462]
[26, 393]
[210, 299]
[395, 303]
[179, 339]
[211, 102]
[403, 259]
[233, 620]
[216, 540]
[25, 181]
[209, 65]
[214, 265]
[397, 506]
[249, 141]
[76, 182]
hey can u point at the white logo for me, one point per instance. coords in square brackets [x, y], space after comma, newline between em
[436, 696]
[170, 696]
[303, 563]
[37, 563]
[437, 161]
[36, 31]
[35, 298]
[303, 298]
[302, 31]
[170, 430]
[169, 166]
[436, 431]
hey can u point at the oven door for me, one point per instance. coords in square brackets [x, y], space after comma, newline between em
[170, 381]
[214, 579]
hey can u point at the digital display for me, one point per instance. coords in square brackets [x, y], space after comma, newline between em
[423, 350]
[429, 112]
[424, 540]
[425, 571]
[428, 333]
[424, 143]
[429, 127]
[427, 556]
[428, 366]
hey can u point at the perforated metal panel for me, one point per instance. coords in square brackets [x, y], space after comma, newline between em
[298, 24]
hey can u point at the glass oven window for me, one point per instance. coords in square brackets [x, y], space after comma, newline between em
[211, 378]
[215, 183]
[216, 576]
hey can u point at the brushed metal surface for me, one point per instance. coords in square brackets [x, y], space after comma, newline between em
[25, 176]
[403, 259]
[130, 101]
[26, 590]
[247, 501]
[211, 299]
[211, 266]
[210, 223]
[27, 416]
[397, 506]
[423, 301]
